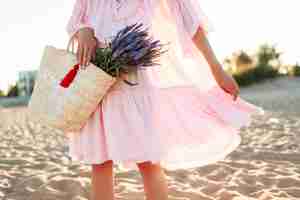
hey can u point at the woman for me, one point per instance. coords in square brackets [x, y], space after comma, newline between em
[185, 113]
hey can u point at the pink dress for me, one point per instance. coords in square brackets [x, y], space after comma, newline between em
[177, 115]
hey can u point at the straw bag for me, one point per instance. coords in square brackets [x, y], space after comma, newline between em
[66, 108]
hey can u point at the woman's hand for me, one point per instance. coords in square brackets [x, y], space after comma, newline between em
[227, 83]
[87, 44]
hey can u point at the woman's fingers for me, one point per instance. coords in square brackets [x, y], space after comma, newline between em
[235, 92]
[79, 53]
[234, 96]
[88, 56]
[85, 55]
[93, 55]
[232, 90]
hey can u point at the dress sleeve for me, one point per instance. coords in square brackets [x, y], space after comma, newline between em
[79, 18]
[189, 16]
[186, 16]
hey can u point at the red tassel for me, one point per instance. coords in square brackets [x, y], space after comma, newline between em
[69, 77]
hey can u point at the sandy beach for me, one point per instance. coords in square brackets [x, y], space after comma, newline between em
[34, 164]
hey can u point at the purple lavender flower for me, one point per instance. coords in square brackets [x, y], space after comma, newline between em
[131, 49]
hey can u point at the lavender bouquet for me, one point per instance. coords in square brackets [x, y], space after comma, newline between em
[131, 49]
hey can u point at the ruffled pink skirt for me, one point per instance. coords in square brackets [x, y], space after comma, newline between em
[178, 127]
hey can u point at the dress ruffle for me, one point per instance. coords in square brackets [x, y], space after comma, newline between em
[178, 127]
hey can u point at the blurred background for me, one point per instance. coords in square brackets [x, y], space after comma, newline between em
[257, 41]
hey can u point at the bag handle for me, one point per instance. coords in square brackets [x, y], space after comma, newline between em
[71, 43]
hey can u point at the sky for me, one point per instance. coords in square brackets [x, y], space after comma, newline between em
[27, 26]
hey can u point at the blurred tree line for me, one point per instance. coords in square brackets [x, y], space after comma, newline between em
[264, 64]
[246, 69]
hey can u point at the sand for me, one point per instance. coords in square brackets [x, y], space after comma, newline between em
[265, 166]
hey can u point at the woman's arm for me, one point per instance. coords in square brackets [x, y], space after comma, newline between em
[224, 80]
[189, 18]
[79, 18]
[202, 43]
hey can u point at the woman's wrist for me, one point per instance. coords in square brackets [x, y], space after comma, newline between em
[216, 69]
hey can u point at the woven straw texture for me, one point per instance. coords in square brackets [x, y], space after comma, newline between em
[67, 109]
